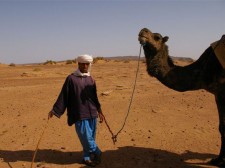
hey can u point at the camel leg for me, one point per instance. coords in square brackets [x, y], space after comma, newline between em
[220, 160]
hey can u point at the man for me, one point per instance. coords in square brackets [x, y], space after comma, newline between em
[79, 97]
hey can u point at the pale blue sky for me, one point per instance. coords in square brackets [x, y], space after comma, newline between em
[38, 30]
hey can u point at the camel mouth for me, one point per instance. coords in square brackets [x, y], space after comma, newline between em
[142, 39]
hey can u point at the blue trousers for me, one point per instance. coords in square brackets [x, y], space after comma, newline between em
[86, 131]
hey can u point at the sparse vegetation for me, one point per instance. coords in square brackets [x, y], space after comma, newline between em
[96, 59]
[71, 61]
[12, 65]
[50, 62]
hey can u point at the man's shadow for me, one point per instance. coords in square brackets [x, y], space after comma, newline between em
[122, 157]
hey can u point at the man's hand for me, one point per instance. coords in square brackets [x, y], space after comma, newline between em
[101, 117]
[50, 114]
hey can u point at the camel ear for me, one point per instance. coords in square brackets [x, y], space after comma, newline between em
[165, 39]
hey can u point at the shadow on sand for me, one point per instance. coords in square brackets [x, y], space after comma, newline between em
[123, 157]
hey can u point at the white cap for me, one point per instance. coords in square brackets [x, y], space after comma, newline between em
[85, 58]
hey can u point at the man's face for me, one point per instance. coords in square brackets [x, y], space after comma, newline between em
[83, 67]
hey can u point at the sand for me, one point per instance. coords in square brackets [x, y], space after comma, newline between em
[164, 129]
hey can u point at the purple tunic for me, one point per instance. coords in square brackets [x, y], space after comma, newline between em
[79, 97]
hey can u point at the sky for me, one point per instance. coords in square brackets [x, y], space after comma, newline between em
[34, 31]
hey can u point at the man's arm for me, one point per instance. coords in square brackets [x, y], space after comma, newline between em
[62, 101]
[98, 105]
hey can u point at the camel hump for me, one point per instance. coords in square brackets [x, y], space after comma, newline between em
[219, 50]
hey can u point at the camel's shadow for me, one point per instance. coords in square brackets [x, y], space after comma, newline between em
[122, 157]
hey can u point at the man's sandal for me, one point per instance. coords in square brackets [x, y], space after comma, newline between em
[89, 163]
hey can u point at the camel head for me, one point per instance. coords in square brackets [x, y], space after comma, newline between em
[156, 52]
[153, 40]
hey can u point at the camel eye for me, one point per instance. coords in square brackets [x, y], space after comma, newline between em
[156, 38]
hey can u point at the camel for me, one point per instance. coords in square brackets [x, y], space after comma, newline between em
[205, 73]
